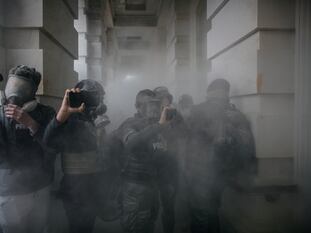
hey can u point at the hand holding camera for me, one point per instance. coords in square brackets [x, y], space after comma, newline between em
[167, 115]
[89, 98]
[67, 108]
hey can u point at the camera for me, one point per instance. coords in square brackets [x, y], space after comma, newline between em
[170, 114]
[89, 98]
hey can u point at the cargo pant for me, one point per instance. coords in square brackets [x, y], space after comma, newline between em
[139, 207]
[25, 213]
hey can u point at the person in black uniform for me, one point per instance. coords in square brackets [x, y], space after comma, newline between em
[145, 147]
[73, 132]
[26, 166]
[222, 151]
[170, 178]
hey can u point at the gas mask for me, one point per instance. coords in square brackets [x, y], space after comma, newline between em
[94, 106]
[152, 109]
[101, 121]
[19, 90]
[92, 95]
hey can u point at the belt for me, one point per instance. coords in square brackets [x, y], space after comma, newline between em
[81, 163]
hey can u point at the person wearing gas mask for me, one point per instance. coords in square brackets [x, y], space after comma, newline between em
[222, 152]
[144, 147]
[74, 133]
[166, 100]
[170, 179]
[26, 168]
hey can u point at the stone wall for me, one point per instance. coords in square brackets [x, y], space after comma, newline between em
[178, 46]
[2, 50]
[40, 33]
[251, 44]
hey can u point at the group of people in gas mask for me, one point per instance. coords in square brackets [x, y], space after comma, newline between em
[160, 159]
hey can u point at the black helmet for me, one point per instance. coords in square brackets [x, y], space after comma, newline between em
[145, 96]
[90, 85]
[163, 92]
[94, 94]
[219, 84]
[218, 89]
[185, 100]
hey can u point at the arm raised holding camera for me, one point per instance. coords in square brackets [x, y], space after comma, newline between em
[56, 129]
[65, 110]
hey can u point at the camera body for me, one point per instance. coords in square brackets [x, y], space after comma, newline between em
[89, 98]
[171, 113]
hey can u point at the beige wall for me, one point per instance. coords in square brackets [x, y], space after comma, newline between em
[2, 50]
[34, 35]
[251, 44]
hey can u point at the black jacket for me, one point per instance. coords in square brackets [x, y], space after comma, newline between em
[25, 166]
[222, 144]
[144, 148]
[77, 140]
[77, 134]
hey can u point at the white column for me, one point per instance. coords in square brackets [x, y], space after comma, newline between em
[178, 46]
[80, 24]
[92, 40]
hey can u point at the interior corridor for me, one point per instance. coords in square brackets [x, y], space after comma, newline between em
[262, 47]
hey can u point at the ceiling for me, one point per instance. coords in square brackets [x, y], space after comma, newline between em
[135, 26]
[136, 12]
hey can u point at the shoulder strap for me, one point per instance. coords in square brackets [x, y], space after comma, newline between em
[3, 127]
[2, 121]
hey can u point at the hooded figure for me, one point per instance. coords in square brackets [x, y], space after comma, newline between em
[222, 149]
[26, 168]
[74, 133]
